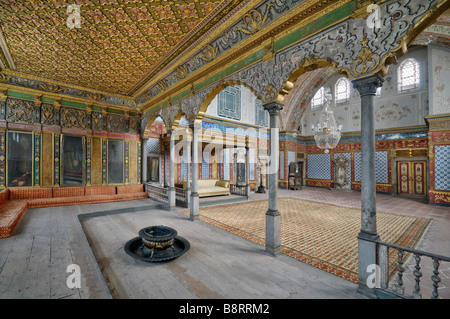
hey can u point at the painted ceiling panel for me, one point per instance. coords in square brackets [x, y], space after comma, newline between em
[117, 45]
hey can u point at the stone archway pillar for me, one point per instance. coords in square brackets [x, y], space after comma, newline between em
[188, 164]
[367, 247]
[172, 199]
[144, 160]
[194, 204]
[273, 241]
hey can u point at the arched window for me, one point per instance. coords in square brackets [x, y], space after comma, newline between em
[408, 75]
[342, 90]
[318, 99]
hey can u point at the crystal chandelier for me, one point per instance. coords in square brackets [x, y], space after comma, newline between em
[326, 133]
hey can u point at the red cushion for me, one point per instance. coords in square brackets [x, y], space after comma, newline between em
[30, 193]
[68, 191]
[10, 215]
[129, 189]
[100, 190]
[4, 195]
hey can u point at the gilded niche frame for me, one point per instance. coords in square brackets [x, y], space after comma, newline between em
[32, 152]
[124, 160]
[62, 160]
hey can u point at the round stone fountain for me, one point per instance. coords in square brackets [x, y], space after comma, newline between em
[157, 243]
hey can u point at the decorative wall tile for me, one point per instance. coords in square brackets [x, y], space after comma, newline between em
[442, 167]
[104, 161]
[282, 165]
[37, 159]
[88, 160]
[57, 152]
[252, 164]
[319, 166]
[154, 146]
[205, 165]
[226, 164]
[381, 167]
[127, 161]
[139, 162]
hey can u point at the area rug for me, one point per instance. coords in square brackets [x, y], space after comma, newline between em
[322, 235]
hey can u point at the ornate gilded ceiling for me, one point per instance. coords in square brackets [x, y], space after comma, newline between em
[119, 43]
[147, 54]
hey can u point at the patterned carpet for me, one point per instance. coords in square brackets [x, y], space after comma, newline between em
[320, 234]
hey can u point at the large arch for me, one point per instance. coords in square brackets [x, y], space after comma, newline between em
[304, 89]
[354, 47]
[211, 94]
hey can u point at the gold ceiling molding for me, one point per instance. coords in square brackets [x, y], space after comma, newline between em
[58, 97]
[294, 19]
[217, 29]
[118, 43]
[61, 84]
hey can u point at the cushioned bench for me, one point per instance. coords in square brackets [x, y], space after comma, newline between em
[211, 187]
[15, 201]
[11, 212]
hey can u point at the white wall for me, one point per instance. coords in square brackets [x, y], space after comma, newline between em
[392, 109]
[248, 115]
[439, 94]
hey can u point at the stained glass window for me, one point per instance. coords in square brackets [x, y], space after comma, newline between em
[342, 89]
[261, 114]
[229, 102]
[408, 75]
[318, 99]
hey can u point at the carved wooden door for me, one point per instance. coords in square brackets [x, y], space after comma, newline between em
[412, 178]
[419, 178]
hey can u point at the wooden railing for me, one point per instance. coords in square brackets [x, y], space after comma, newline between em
[238, 190]
[181, 199]
[398, 288]
[157, 193]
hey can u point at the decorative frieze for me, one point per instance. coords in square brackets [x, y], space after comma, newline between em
[47, 114]
[73, 118]
[116, 123]
[97, 121]
[20, 111]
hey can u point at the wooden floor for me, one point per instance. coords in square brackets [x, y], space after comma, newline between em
[33, 262]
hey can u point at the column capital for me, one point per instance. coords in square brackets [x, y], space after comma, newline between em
[273, 107]
[195, 126]
[368, 85]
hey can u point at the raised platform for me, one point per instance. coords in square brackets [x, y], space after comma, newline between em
[14, 202]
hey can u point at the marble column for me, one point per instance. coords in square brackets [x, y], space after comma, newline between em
[172, 169]
[247, 165]
[165, 166]
[144, 160]
[188, 170]
[367, 247]
[194, 205]
[273, 240]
